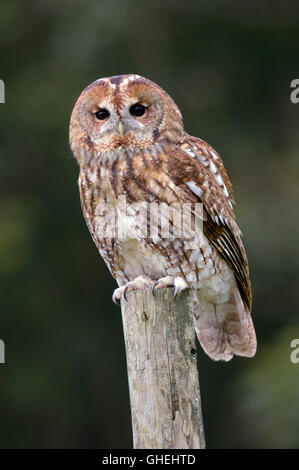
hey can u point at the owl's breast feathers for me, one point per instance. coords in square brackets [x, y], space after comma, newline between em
[190, 172]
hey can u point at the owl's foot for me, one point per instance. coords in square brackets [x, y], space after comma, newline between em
[177, 282]
[141, 282]
[144, 282]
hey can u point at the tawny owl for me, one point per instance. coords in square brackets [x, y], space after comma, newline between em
[128, 137]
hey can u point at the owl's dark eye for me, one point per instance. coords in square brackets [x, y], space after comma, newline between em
[102, 114]
[137, 109]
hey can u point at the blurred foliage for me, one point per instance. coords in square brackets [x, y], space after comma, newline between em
[271, 409]
[228, 65]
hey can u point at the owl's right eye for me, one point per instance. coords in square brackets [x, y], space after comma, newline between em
[102, 114]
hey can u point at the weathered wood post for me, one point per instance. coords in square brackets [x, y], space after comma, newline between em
[162, 370]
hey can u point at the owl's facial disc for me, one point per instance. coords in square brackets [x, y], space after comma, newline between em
[125, 111]
[130, 122]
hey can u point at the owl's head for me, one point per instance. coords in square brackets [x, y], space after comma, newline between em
[120, 112]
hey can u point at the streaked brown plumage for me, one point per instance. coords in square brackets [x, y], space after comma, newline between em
[149, 158]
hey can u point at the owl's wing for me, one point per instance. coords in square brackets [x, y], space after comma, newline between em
[205, 176]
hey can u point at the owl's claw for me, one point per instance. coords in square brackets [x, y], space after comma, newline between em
[115, 299]
[179, 286]
[154, 287]
[125, 293]
[178, 283]
[141, 282]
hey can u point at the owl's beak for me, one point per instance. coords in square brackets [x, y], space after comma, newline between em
[121, 129]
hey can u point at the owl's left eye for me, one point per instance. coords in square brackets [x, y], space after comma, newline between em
[137, 109]
[102, 114]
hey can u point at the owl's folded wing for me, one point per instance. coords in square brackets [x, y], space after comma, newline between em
[207, 179]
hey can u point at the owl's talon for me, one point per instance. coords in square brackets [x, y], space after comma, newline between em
[179, 286]
[140, 283]
[125, 293]
[178, 283]
[115, 300]
[154, 287]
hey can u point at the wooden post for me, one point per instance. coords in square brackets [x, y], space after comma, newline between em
[162, 370]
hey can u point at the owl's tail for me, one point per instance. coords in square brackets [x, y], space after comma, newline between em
[224, 329]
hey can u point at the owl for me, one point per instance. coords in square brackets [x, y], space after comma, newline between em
[136, 159]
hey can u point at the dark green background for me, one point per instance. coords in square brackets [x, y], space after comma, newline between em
[228, 65]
